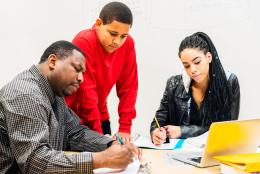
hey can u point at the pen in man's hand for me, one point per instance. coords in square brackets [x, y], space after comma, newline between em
[119, 139]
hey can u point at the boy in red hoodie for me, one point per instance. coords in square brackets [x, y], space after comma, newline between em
[110, 60]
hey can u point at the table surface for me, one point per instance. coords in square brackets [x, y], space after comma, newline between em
[160, 164]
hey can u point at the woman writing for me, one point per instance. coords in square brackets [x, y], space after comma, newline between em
[206, 93]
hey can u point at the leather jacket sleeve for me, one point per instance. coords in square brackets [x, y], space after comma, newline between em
[163, 111]
[192, 130]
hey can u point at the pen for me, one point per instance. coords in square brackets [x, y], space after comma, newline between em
[158, 125]
[119, 139]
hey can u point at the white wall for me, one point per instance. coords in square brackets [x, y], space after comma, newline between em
[29, 26]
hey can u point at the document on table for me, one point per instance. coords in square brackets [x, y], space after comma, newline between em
[131, 169]
[145, 142]
[198, 141]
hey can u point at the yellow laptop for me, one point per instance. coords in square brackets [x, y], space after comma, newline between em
[224, 138]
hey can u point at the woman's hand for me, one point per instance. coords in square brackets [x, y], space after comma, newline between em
[158, 136]
[173, 131]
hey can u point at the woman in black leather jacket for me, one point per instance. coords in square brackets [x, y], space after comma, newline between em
[206, 93]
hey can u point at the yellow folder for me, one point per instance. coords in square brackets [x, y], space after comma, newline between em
[246, 162]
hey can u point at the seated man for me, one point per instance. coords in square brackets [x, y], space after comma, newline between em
[36, 126]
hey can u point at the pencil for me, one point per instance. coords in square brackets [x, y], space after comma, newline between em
[158, 125]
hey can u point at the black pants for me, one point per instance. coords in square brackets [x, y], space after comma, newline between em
[106, 127]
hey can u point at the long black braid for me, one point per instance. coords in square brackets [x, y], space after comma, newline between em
[217, 97]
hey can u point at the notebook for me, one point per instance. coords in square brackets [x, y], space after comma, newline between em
[146, 142]
[224, 138]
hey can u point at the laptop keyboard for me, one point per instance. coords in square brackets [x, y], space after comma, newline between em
[196, 159]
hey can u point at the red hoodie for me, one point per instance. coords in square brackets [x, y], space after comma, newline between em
[103, 70]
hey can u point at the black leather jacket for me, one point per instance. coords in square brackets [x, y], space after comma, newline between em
[173, 108]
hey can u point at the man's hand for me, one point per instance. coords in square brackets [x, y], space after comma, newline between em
[158, 136]
[173, 131]
[137, 152]
[117, 156]
[126, 137]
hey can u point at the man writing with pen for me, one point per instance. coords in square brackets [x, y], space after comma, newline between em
[40, 134]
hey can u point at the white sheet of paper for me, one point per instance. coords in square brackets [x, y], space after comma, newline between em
[131, 169]
[198, 141]
[145, 141]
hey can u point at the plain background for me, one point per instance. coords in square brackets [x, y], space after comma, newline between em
[28, 27]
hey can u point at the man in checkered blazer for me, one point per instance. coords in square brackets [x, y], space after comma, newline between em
[37, 128]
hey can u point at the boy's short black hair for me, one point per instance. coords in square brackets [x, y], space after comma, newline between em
[116, 11]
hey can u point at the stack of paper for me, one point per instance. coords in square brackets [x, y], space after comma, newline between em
[247, 163]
